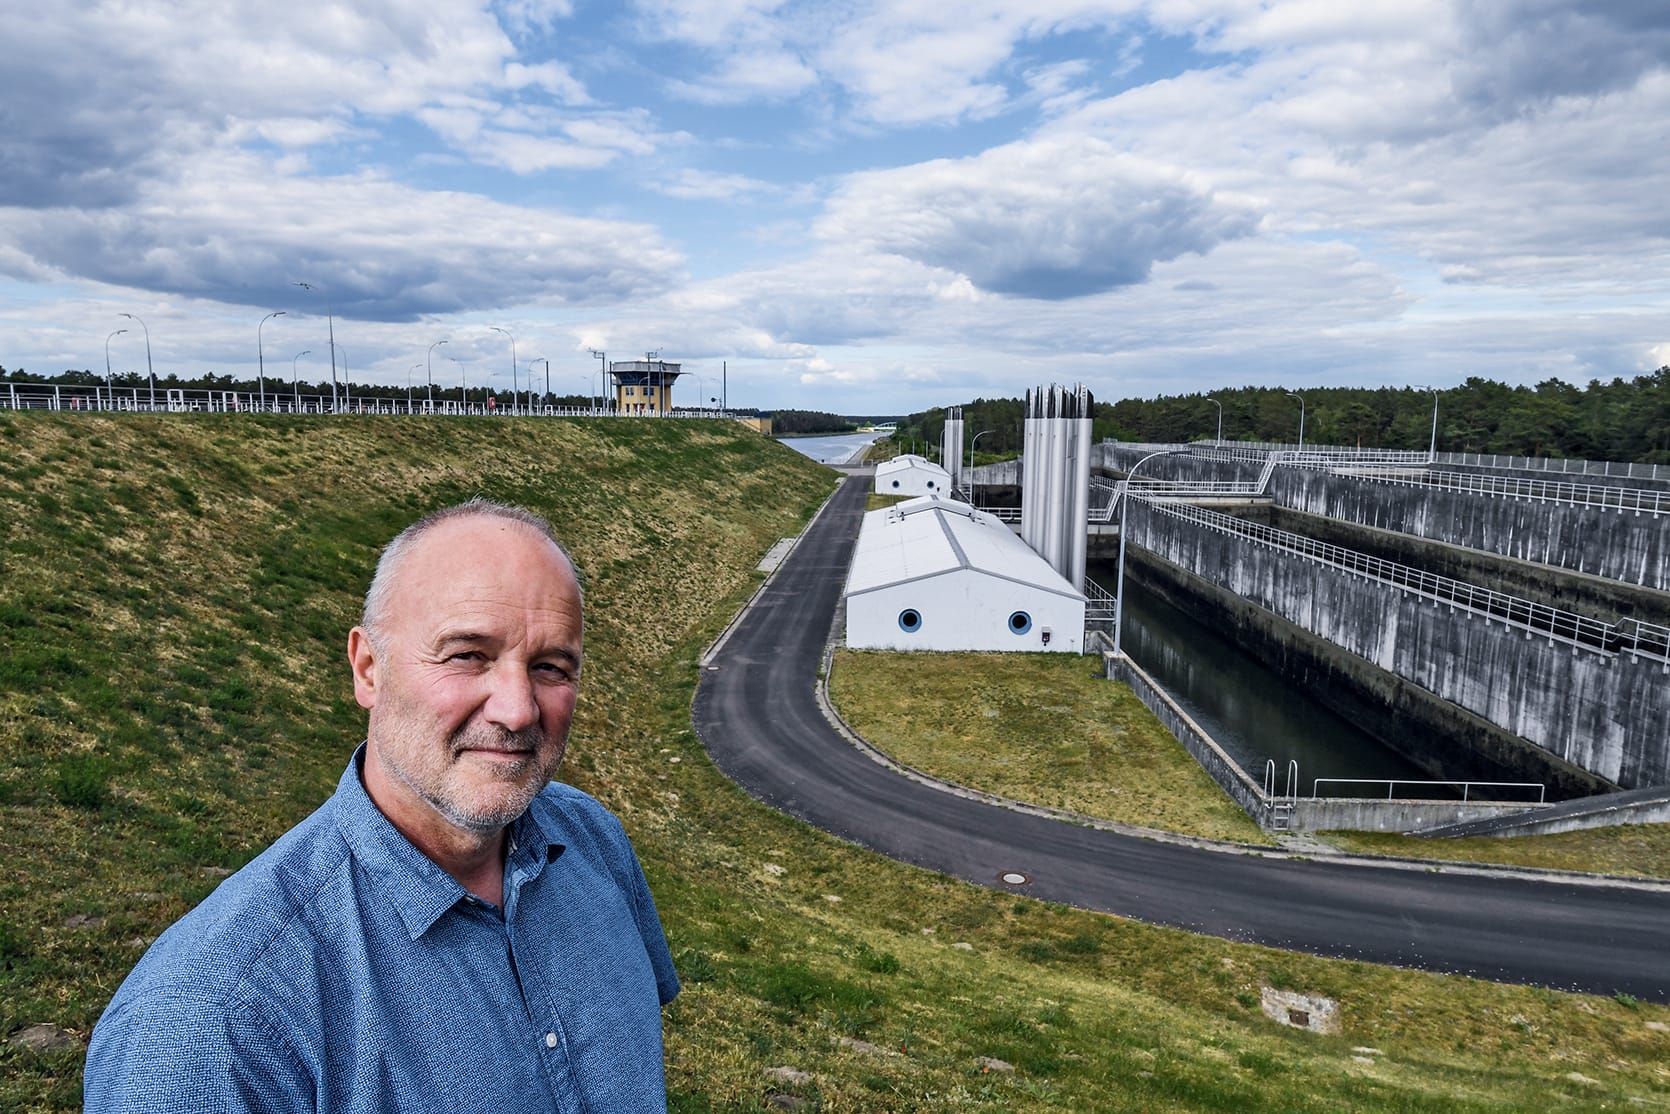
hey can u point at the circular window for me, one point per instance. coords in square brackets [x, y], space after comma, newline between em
[910, 620]
[930, 485]
[1020, 622]
[895, 483]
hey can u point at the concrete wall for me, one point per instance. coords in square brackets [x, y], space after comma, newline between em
[1308, 814]
[1593, 720]
[1622, 545]
[1242, 789]
[1654, 814]
[1606, 600]
[1323, 814]
[1112, 457]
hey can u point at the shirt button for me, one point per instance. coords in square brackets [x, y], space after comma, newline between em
[550, 1040]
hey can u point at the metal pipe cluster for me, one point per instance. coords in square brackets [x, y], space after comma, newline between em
[1055, 479]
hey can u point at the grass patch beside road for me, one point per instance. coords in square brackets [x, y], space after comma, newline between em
[1641, 850]
[1042, 728]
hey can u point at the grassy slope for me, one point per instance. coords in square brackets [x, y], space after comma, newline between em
[1638, 850]
[174, 597]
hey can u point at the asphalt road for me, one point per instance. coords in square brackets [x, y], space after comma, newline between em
[757, 712]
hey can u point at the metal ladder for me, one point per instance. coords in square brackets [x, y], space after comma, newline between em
[1280, 814]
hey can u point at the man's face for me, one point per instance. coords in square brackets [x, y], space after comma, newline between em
[472, 684]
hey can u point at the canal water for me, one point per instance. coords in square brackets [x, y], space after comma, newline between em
[1253, 713]
[835, 449]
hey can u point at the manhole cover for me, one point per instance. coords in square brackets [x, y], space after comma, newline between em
[1013, 878]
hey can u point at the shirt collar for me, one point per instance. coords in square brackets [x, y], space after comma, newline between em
[417, 889]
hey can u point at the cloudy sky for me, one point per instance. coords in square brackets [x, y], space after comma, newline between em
[865, 207]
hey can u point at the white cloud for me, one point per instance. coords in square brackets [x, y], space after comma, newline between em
[1038, 219]
[227, 229]
[700, 185]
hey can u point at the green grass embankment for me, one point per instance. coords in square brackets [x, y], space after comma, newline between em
[174, 598]
[1042, 728]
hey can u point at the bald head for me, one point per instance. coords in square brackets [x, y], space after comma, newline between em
[375, 617]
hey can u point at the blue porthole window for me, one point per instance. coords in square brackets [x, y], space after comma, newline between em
[910, 620]
[1019, 622]
[895, 483]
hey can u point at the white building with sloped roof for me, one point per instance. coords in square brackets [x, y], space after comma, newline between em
[936, 574]
[911, 475]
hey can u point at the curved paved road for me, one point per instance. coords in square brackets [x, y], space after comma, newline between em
[757, 712]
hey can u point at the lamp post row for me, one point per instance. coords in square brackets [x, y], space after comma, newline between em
[330, 316]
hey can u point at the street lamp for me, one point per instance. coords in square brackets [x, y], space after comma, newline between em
[660, 380]
[409, 373]
[463, 385]
[330, 324]
[347, 386]
[975, 442]
[1220, 407]
[149, 370]
[1301, 399]
[295, 384]
[109, 387]
[261, 358]
[547, 363]
[603, 358]
[1119, 586]
[1432, 447]
[428, 363]
[506, 332]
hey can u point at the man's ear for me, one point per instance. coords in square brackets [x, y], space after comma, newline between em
[362, 659]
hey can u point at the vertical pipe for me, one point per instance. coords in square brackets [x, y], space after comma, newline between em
[1055, 488]
[1029, 470]
[1081, 502]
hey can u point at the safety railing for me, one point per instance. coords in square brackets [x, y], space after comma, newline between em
[1625, 636]
[1310, 456]
[1562, 465]
[140, 400]
[1100, 606]
[1391, 784]
[1548, 491]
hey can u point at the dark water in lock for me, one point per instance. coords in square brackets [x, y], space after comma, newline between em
[1251, 711]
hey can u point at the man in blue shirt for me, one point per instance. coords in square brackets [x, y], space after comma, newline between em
[451, 930]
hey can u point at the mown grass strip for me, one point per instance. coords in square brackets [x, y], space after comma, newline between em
[1046, 729]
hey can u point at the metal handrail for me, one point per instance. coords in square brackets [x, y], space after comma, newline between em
[1392, 783]
[176, 400]
[1098, 603]
[1306, 457]
[1548, 491]
[1626, 635]
[1563, 465]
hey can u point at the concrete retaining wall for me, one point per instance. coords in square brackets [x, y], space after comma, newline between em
[1622, 545]
[1309, 814]
[1606, 600]
[1323, 814]
[1108, 457]
[1593, 720]
[1212, 758]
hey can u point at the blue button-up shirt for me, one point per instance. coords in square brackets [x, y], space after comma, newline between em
[342, 970]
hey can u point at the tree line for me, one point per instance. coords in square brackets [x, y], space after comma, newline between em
[809, 421]
[1623, 420]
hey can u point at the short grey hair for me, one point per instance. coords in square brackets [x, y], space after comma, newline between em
[388, 565]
